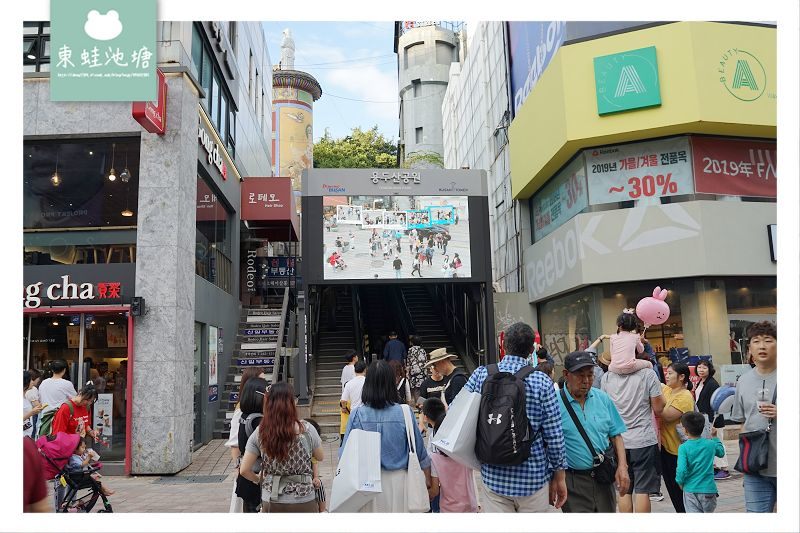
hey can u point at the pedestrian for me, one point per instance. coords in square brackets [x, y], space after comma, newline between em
[601, 423]
[73, 415]
[32, 394]
[637, 396]
[319, 489]
[351, 394]
[352, 238]
[416, 359]
[677, 400]
[381, 413]
[394, 349]
[625, 344]
[401, 383]
[704, 390]
[432, 386]
[398, 235]
[28, 409]
[445, 241]
[78, 464]
[695, 471]
[34, 488]
[285, 445]
[348, 373]
[397, 265]
[456, 378]
[755, 407]
[55, 390]
[456, 261]
[251, 412]
[451, 481]
[539, 481]
[429, 255]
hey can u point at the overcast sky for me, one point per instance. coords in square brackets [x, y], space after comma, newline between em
[354, 63]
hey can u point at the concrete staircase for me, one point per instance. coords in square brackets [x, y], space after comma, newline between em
[256, 341]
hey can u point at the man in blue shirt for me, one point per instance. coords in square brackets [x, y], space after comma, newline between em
[602, 423]
[394, 349]
[540, 480]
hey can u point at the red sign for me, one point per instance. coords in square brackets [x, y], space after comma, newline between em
[267, 199]
[735, 167]
[153, 115]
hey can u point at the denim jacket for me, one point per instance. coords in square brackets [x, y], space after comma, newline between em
[389, 422]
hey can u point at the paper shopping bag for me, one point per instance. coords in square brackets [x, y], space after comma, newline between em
[456, 435]
[358, 474]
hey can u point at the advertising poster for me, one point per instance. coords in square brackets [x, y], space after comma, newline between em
[348, 214]
[116, 336]
[562, 198]
[212, 355]
[279, 271]
[381, 248]
[639, 170]
[73, 336]
[103, 421]
[735, 168]
[532, 46]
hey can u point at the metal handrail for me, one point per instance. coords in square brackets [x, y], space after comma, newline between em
[406, 318]
[279, 347]
[457, 326]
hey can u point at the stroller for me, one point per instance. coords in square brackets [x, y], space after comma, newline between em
[56, 451]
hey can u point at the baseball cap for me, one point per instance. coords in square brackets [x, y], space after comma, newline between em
[577, 360]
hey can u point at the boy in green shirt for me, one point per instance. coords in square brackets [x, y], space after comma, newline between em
[695, 473]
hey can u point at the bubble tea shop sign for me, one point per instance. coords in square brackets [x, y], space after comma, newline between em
[103, 50]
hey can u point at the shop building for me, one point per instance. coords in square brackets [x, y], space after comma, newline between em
[135, 271]
[647, 157]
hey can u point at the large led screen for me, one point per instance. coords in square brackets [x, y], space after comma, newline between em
[370, 237]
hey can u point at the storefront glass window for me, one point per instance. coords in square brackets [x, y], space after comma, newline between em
[213, 244]
[568, 323]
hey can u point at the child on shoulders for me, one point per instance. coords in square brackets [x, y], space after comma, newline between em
[625, 344]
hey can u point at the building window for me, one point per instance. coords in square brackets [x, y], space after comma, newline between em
[213, 241]
[217, 102]
[569, 323]
[417, 88]
[444, 53]
[418, 135]
[232, 35]
[35, 46]
[250, 76]
[414, 55]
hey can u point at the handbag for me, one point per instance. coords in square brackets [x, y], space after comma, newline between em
[358, 474]
[416, 487]
[754, 448]
[604, 465]
[457, 435]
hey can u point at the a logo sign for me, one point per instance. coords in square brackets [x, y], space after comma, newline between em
[103, 51]
[494, 418]
[212, 149]
[628, 80]
[742, 74]
[153, 115]
[67, 292]
[333, 189]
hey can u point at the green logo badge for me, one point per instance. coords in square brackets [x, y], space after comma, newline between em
[628, 80]
[103, 50]
[742, 74]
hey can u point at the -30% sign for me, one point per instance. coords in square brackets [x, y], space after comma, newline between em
[649, 186]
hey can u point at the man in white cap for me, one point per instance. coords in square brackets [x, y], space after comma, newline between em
[455, 377]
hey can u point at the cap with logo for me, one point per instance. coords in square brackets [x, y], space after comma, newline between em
[577, 360]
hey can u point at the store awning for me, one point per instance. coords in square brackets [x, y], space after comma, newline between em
[268, 209]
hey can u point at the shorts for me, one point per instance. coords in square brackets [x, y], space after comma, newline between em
[319, 493]
[644, 469]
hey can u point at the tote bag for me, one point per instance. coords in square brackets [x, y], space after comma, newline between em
[416, 487]
[358, 475]
[456, 436]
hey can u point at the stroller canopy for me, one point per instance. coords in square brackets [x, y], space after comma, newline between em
[56, 451]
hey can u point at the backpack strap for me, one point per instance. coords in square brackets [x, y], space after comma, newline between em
[524, 372]
[492, 369]
[578, 425]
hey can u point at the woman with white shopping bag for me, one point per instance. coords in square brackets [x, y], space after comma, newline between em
[405, 464]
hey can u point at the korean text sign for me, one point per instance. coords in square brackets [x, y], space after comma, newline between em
[735, 167]
[103, 50]
[564, 197]
[640, 170]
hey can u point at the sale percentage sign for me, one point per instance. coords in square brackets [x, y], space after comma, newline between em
[667, 185]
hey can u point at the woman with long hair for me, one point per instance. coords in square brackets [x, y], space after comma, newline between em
[677, 400]
[381, 412]
[285, 445]
[29, 411]
[73, 415]
[251, 412]
[401, 382]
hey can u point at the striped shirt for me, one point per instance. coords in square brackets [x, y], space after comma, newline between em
[547, 451]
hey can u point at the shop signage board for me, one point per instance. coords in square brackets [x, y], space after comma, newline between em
[279, 271]
[253, 332]
[256, 361]
[627, 80]
[212, 149]
[212, 355]
[562, 198]
[639, 170]
[735, 167]
[213, 393]
[103, 421]
[60, 285]
[532, 45]
[267, 199]
[152, 116]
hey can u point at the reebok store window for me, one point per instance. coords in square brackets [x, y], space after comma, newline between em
[568, 323]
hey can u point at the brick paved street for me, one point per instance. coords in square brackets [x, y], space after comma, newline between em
[205, 485]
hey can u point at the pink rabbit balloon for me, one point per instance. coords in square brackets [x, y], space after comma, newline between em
[653, 310]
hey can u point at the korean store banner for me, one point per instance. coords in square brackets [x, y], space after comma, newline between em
[561, 199]
[639, 170]
[735, 167]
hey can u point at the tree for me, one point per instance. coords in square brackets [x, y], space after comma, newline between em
[423, 159]
[360, 149]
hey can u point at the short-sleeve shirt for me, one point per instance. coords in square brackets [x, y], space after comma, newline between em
[352, 392]
[54, 392]
[680, 399]
[631, 394]
[745, 409]
[457, 487]
[348, 373]
[600, 420]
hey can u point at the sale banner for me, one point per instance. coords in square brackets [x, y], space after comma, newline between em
[561, 199]
[636, 171]
[735, 167]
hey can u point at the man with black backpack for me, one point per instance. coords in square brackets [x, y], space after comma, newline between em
[520, 443]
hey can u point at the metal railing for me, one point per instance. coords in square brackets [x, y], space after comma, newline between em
[453, 305]
[280, 347]
[408, 25]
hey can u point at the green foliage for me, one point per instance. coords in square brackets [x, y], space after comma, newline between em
[360, 149]
[423, 159]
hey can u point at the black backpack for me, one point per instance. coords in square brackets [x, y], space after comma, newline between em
[504, 431]
[246, 427]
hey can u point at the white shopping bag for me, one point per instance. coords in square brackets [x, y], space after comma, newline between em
[358, 475]
[457, 434]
